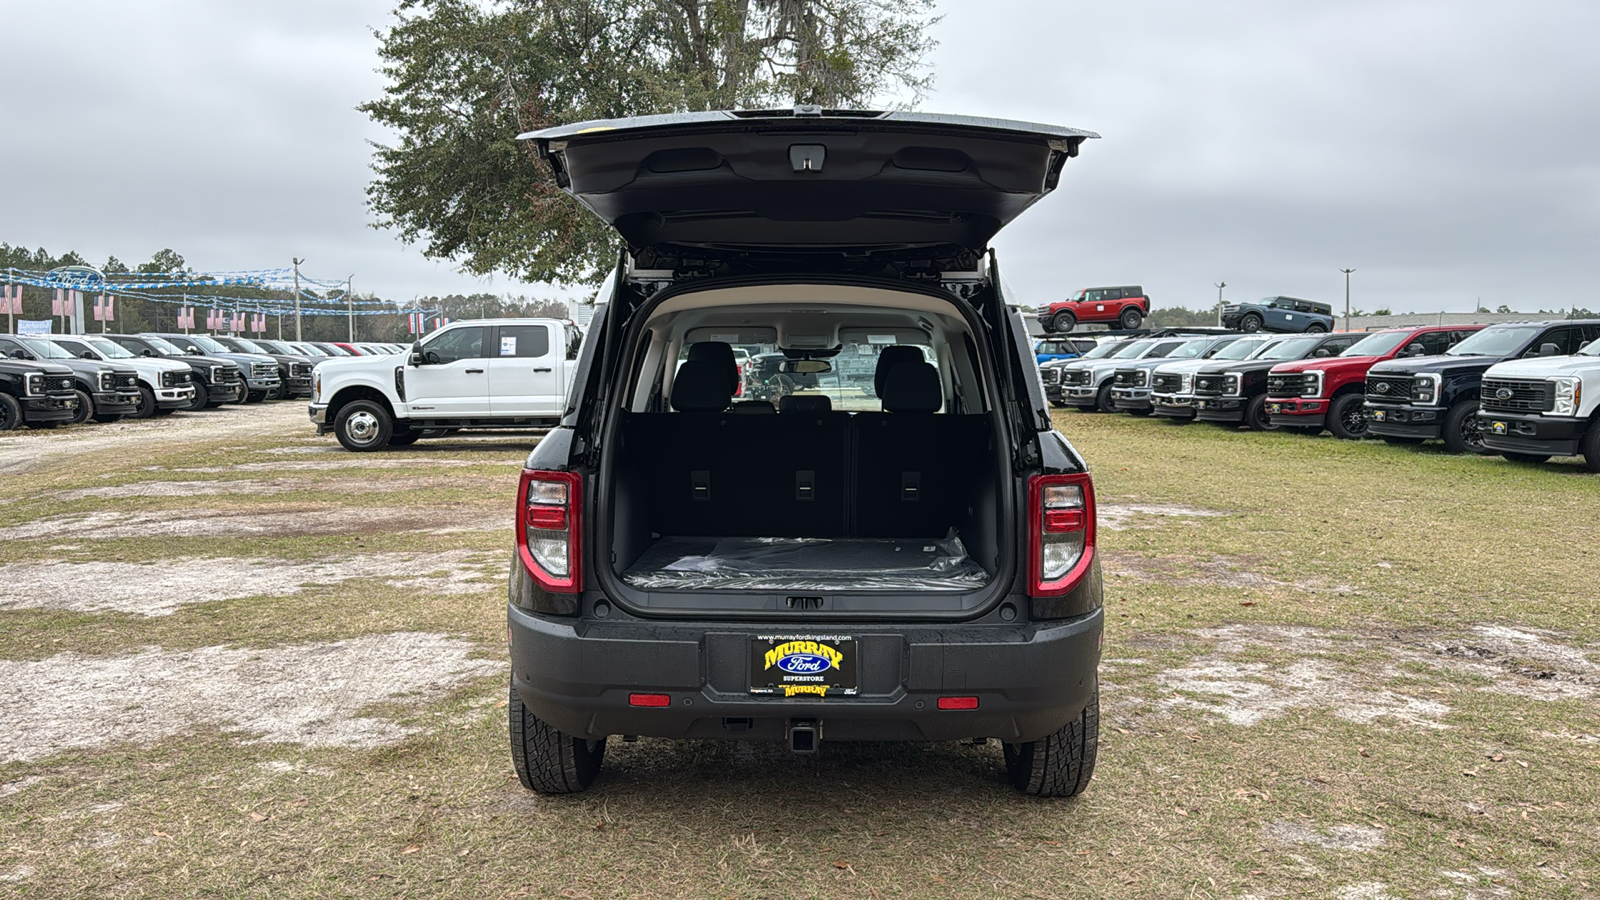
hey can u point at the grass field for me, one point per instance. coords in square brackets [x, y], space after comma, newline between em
[240, 662]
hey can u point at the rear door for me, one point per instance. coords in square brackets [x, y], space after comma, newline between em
[524, 371]
[453, 381]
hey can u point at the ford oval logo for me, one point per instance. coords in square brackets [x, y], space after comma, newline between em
[804, 664]
[1503, 394]
[1383, 387]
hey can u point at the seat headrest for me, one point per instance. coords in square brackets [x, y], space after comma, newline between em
[805, 403]
[912, 387]
[888, 358]
[701, 386]
[720, 353]
[754, 407]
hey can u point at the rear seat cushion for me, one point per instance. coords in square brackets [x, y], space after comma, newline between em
[805, 403]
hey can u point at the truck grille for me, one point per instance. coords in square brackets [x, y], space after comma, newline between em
[1287, 385]
[1130, 378]
[230, 374]
[1211, 385]
[126, 381]
[1164, 383]
[54, 384]
[1517, 395]
[1389, 388]
[263, 371]
[1075, 377]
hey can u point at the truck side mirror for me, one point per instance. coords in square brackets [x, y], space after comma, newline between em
[1549, 349]
[1322, 352]
[192, 351]
[17, 354]
[87, 354]
[416, 354]
[146, 352]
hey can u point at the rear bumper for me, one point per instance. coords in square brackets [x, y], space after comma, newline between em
[1546, 435]
[1029, 679]
[116, 403]
[1405, 421]
[1219, 409]
[44, 410]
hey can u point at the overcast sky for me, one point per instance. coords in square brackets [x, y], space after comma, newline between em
[1446, 150]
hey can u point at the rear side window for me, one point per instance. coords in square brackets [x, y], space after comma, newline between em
[523, 341]
[1434, 342]
[1567, 341]
[455, 344]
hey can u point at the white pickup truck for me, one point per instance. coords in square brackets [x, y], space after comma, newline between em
[483, 373]
[1532, 409]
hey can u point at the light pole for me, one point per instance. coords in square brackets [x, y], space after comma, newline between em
[1220, 285]
[350, 307]
[297, 263]
[1347, 297]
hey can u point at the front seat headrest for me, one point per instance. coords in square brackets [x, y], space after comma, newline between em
[805, 403]
[701, 386]
[912, 387]
[888, 358]
[720, 353]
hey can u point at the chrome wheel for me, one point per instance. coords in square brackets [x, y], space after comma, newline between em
[362, 428]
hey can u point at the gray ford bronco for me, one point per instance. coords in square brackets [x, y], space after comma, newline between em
[907, 556]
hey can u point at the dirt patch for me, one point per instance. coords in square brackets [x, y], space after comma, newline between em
[308, 694]
[247, 486]
[348, 461]
[1526, 662]
[1244, 693]
[21, 784]
[161, 588]
[1336, 837]
[26, 451]
[291, 522]
[1122, 516]
[1213, 571]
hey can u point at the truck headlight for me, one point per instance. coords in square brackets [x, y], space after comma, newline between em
[108, 381]
[1186, 384]
[1569, 396]
[1425, 388]
[36, 384]
[1313, 384]
[316, 386]
[216, 374]
[1232, 385]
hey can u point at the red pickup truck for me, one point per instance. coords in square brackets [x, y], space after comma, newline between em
[1311, 394]
[1124, 306]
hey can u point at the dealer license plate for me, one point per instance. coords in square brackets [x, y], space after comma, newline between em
[1378, 415]
[1497, 427]
[804, 665]
[1274, 408]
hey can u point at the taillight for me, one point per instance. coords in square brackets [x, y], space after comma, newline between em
[1061, 525]
[548, 533]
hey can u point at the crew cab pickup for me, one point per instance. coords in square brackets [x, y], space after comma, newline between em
[164, 386]
[294, 369]
[1283, 314]
[480, 373]
[1172, 382]
[105, 393]
[261, 379]
[1233, 388]
[215, 380]
[1126, 307]
[38, 395]
[1532, 409]
[912, 559]
[1090, 382]
[1309, 395]
[1436, 397]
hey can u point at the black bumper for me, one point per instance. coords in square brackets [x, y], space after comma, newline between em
[1219, 409]
[226, 391]
[44, 410]
[1054, 393]
[1424, 423]
[1171, 410]
[1029, 679]
[116, 403]
[298, 387]
[1538, 435]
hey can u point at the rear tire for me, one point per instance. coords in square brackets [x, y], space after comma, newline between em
[1347, 417]
[147, 404]
[85, 410]
[1316, 328]
[1534, 458]
[1590, 447]
[363, 426]
[255, 396]
[1255, 415]
[548, 761]
[1063, 322]
[10, 412]
[1250, 324]
[1460, 431]
[1062, 764]
[1103, 401]
[1130, 319]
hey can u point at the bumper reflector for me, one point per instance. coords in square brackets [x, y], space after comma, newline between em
[655, 700]
[958, 702]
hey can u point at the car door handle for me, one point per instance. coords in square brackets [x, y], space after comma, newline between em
[474, 371]
[545, 369]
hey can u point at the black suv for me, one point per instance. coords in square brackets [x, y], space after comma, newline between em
[216, 380]
[1419, 398]
[105, 392]
[909, 557]
[1237, 391]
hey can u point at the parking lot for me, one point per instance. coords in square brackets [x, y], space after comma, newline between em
[242, 662]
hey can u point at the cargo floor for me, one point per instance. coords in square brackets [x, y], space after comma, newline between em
[806, 564]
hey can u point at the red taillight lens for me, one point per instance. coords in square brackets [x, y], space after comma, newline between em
[1061, 532]
[548, 533]
[652, 700]
[958, 702]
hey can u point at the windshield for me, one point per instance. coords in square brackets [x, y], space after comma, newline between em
[108, 348]
[1378, 344]
[1105, 349]
[1241, 349]
[1290, 349]
[335, 350]
[45, 349]
[1497, 341]
[1188, 350]
[308, 350]
[207, 344]
[162, 346]
[1131, 349]
[248, 346]
[1076, 296]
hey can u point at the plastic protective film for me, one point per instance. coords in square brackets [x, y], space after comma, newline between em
[807, 564]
